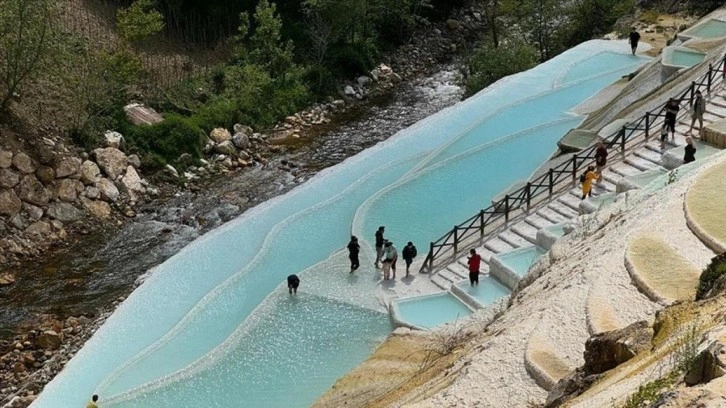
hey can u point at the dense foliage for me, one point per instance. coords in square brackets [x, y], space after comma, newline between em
[711, 276]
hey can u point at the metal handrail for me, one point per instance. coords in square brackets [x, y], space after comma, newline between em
[523, 196]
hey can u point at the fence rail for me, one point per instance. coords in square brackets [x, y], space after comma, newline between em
[500, 212]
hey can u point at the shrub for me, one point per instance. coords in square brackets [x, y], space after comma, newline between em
[167, 140]
[488, 64]
[710, 276]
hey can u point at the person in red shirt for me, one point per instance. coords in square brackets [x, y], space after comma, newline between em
[474, 263]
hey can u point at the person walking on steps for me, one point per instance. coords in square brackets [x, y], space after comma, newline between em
[292, 283]
[474, 261]
[586, 179]
[353, 251]
[690, 155]
[634, 38]
[663, 136]
[699, 108]
[409, 252]
[672, 108]
[601, 157]
[93, 403]
[379, 244]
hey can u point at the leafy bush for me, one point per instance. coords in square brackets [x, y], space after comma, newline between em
[352, 59]
[715, 270]
[488, 64]
[167, 140]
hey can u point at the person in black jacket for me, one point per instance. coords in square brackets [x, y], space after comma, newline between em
[690, 154]
[379, 244]
[634, 38]
[408, 253]
[353, 250]
[292, 283]
[601, 157]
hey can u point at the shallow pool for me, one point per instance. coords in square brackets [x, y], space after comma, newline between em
[685, 58]
[712, 28]
[430, 311]
[213, 326]
[519, 260]
[487, 292]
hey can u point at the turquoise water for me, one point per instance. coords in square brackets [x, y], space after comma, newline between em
[683, 58]
[709, 29]
[431, 311]
[487, 292]
[213, 325]
[519, 260]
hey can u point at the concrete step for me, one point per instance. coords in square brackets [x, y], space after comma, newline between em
[571, 200]
[537, 221]
[551, 215]
[496, 245]
[441, 282]
[648, 154]
[460, 270]
[484, 252]
[640, 163]
[625, 170]
[526, 231]
[563, 209]
[513, 239]
[449, 275]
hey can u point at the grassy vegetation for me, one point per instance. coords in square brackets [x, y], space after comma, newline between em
[712, 274]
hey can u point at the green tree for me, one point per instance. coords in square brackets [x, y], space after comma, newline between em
[488, 63]
[25, 34]
[139, 21]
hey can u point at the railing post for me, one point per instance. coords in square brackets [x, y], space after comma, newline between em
[574, 167]
[431, 258]
[481, 223]
[622, 139]
[506, 208]
[529, 195]
[708, 81]
[456, 239]
[551, 181]
[647, 125]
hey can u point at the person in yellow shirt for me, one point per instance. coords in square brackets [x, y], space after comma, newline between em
[587, 179]
[93, 403]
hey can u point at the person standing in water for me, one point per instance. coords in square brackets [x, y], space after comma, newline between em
[93, 403]
[634, 38]
[586, 180]
[699, 108]
[690, 155]
[409, 252]
[474, 261]
[353, 250]
[379, 244]
[292, 283]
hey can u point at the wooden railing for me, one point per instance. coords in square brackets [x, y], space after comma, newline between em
[521, 199]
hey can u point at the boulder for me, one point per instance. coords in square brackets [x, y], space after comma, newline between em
[244, 155]
[64, 212]
[112, 161]
[172, 170]
[364, 80]
[108, 190]
[238, 128]
[6, 159]
[710, 364]
[219, 135]
[35, 213]
[24, 163]
[98, 209]
[135, 161]
[18, 222]
[349, 91]
[226, 148]
[570, 387]
[139, 114]
[92, 193]
[241, 140]
[67, 190]
[67, 166]
[607, 350]
[132, 184]
[49, 340]
[9, 178]
[452, 24]
[45, 174]
[10, 204]
[6, 278]
[38, 229]
[114, 139]
[88, 172]
[32, 191]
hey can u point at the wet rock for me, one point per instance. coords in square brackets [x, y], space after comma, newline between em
[241, 140]
[35, 213]
[710, 364]
[49, 340]
[98, 209]
[605, 351]
[32, 191]
[9, 178]
[64, 212]
[243, 155]
[6, 159]
[114, 139]
[38, 229]
[67, 166]
[139, 114]
[226, 148]
[112, 161]
[88, 172]
[132, 184]
[67, 190]
[45, 174]
[108, 190]
[135, 161]
[92, 192]
[7, 278]
[24, 163]
[219, 135]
